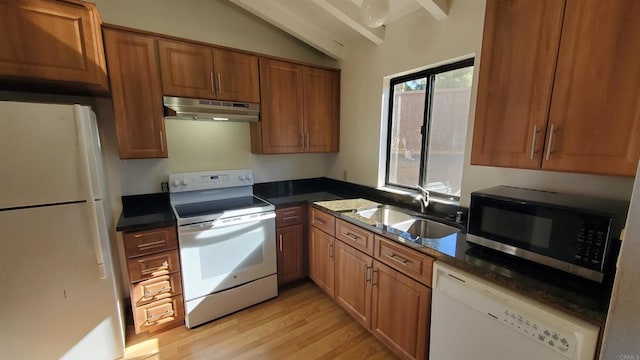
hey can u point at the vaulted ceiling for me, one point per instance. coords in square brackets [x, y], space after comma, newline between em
[329, 24]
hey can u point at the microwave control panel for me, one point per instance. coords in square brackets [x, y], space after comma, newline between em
[591, 244]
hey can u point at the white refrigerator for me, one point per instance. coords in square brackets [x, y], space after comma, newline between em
[58, 296]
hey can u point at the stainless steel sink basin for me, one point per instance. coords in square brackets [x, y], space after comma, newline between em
[430, 229]
[398, 221]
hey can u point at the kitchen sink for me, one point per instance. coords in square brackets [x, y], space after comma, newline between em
[405, 224]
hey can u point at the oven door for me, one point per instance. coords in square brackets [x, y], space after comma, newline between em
[226, 253]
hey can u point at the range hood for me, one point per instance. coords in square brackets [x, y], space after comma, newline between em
[202, 109]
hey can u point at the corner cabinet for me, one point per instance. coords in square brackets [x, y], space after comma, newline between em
[203, 72]
[53, 41]
[136, 94]
[299, 109]
[558, 86]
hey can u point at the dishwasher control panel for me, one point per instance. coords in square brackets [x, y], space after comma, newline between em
[564, 343]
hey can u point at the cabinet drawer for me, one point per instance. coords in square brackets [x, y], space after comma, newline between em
[159, 315]
[150, 241]
[323, 221]
[355, 236]
[155, 289]
[289, 216]
[146, 267]
[403, 259]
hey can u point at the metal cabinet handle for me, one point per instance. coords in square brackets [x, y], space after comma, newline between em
[154, 293]
[289, 218]
[373, 275]
[219, 78]
[319, 220]
[280, 242]
[161, 142]
[307, 140]
[533, 141]
[151, 244]
[165, 265]
[549, 144]
[330, 250]
[213, 89]
[352, 236]
[366, 270]
[397, 259]
[151, 319]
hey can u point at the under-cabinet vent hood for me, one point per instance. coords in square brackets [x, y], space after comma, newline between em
[202, 109]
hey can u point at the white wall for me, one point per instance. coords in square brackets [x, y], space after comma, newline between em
[418, 41]
[197, 146]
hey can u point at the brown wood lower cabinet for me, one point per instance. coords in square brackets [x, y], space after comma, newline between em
[290, 255]
[392, 300]
[401, 309]
[352, 283]
[321, 259]
[154, 274]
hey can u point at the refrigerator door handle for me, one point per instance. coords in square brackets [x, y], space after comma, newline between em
[96, 238]
[82, 133]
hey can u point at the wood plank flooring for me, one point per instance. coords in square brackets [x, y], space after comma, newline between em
[301, 323]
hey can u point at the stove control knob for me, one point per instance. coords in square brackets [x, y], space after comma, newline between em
[175, 182]
[184, 182]
[247, 177]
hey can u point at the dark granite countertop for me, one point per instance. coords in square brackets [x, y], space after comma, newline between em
[579, 297]
[142, 212]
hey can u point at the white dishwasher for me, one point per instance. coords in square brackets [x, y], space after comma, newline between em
[472, 318]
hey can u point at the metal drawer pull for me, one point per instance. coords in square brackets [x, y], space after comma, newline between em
[154, 293]
[330, 250]
[213, 90]
[155, 317]
[533, 141]
[219, 82]
[551, 132]
[280, 242]
[290, 218]
[165, 265]
[352, 236]
[366, 273]
[319, 220]
[397, 259]
[373, 275]
[151, 244]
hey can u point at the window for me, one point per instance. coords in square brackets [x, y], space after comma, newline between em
[428, 115]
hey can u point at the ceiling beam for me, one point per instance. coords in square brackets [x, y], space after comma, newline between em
[349, 14]
[439, 9]
[284, 19]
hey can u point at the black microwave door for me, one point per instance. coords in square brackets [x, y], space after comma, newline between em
[529, 227]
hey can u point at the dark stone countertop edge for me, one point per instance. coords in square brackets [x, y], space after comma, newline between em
[144, 212]
[520, 285]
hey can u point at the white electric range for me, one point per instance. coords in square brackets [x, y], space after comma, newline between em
[227, 243]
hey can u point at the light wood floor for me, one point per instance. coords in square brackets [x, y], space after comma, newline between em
[301, 323]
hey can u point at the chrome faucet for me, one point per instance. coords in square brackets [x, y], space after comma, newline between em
[423, 197]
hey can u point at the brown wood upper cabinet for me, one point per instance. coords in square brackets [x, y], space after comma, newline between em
[53, 41]
[299, 109]
[558, 86]
[203, 72]
[135, 92]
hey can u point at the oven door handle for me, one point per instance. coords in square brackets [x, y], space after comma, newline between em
[221, 223]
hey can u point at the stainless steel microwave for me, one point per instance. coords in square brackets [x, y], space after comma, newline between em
[569, 232]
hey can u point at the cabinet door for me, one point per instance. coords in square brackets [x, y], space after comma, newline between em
[321, 109]
[595, 111]
[281, 129]
[519, 50]
[400, 312]
[236, 76]
[136, 94]
[187, 69]
[352, 289]
[290, 262]
[321, 259]
[52, 40]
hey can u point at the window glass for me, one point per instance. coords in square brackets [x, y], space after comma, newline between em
[428, 114]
